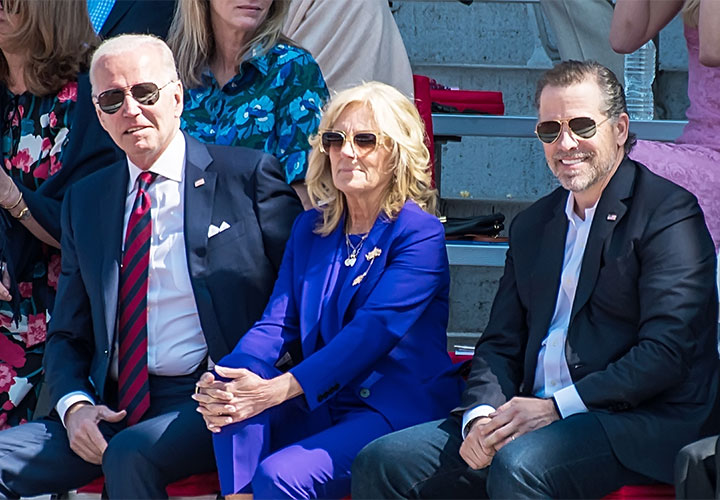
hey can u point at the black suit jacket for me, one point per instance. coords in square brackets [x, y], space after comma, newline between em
[232, 273]
[139, 16]
[641, 344]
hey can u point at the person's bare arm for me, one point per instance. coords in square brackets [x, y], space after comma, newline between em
[709, 29]
[635, 22]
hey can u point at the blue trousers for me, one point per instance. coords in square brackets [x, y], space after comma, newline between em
[570, 458]
[169, 443]
[290, 452]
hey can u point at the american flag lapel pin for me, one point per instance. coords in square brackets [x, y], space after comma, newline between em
[611, 217]
[199, 182]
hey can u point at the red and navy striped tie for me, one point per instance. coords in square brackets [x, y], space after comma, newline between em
[133, 384]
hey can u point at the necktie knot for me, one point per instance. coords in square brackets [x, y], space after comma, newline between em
[145, 179]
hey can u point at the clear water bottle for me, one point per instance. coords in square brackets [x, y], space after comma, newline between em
[639, 76]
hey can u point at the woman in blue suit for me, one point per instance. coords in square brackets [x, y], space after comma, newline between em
[352, 344]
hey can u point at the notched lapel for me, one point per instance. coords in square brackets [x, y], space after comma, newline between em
[610, 211]
[545, 280]
[320, 277]
[199, 200]
[116, 14]
[109, 239]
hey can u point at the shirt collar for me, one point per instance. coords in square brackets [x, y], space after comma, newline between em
[170, 164]
[260, 61]
[570, 210]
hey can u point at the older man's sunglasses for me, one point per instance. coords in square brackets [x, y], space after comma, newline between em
[582, 127]
[363, 143]
[146, 93]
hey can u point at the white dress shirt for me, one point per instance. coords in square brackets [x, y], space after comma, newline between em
[176, 345]
[552, 374]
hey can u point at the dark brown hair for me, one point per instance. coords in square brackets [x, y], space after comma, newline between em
[572, 72]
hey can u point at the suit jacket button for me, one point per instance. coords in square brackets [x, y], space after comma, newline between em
[200, 252]
[364, 392]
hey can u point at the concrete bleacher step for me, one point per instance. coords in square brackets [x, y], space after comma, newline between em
[501, 45]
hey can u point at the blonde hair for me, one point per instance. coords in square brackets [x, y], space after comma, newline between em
[399, 121]
[56, 37]
[191, 37]
[122, 44]
[691, 12]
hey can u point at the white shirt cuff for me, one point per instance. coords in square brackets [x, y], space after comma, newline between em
[65, 402]
[569, 402]
[473, 413]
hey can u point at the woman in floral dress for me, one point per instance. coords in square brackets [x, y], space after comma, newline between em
[246, 84]
[44, 47]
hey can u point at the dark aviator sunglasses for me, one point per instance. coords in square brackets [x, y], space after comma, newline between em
[146, 93]
[583, 127]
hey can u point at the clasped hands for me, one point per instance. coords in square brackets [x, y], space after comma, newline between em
[244, 395]
[516, 417]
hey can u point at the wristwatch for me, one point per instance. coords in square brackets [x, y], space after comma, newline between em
[24, 214]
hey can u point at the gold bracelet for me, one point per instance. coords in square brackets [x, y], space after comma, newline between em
[15, 204]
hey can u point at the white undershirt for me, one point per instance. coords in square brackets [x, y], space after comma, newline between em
[552, 374]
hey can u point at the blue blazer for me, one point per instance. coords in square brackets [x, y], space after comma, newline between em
[389, 346]
[231, 273]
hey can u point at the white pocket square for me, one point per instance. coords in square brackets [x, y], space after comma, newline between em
[214, 230]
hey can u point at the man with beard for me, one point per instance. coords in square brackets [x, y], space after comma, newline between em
[599, 360]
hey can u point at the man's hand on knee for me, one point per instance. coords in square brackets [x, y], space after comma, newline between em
[473, 450]
[81, 422]
[515, 418]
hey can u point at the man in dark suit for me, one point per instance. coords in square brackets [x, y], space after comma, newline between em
[599, 360]
[168, 258]
[116, 17]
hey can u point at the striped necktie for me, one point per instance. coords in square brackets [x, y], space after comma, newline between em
[133, 383]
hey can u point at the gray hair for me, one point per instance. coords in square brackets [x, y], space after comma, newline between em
[123, 44]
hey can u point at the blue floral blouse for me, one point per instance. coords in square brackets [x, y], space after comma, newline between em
[272, 104]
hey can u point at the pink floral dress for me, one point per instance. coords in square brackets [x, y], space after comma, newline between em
[34, 134]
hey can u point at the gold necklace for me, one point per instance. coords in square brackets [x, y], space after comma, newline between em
[353, 250]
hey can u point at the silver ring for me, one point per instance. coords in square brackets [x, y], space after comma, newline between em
[2, 269]
[512, 438]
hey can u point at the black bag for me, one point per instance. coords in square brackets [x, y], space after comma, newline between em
[482, 225]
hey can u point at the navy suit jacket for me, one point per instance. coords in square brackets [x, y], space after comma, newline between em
[389, 346]
[231, 273]
[641, 345]
[139, 16]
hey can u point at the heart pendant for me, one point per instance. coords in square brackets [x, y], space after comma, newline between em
[350, 261]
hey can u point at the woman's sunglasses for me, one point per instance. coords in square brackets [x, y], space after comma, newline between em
[582, 127]
[146, 93]
[363, 143]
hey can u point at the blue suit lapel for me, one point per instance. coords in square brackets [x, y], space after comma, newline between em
[321, 276]
[109, 242]
[545, 279]
[199, 196]
[610, 211]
